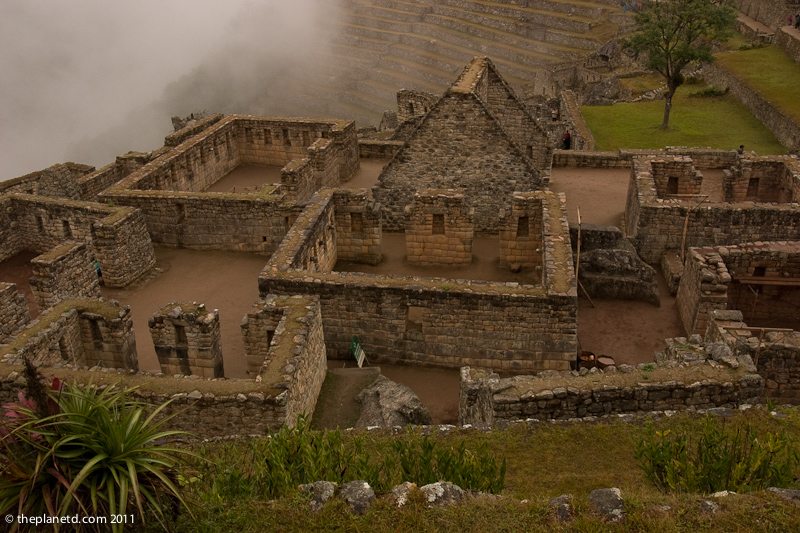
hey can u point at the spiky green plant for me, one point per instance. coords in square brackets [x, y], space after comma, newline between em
[98, 452]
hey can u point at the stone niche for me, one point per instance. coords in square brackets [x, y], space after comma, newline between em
[187, 340]
[521, 236]
[439, 228]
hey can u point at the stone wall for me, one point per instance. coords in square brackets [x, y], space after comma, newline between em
[66, 271]
[60, 180]
[414, 104]
[376, 149]
[522, 233]
[437, 321]
[701, 157]
[764, 179]
[14, 313]
[439, 228]
[117, 236]
[285, 344]
[487, 400]
[776, 354]
[656, 224]
[772, 13]
[186, 339]
[675, 175]
[358, 227]
[785, 129]
[63, 342]
[570, 109]
[789, 42]
[756, 278]
[78, 332]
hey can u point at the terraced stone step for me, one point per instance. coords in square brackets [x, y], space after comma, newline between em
[510, 18]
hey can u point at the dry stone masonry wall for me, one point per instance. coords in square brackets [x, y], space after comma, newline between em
[439, 228]
[66, 271]
[14, 313]
[187, 340]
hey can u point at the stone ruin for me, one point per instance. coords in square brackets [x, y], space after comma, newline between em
[186, 337]
[466, 168]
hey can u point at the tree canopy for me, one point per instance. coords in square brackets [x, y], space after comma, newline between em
[674, 33]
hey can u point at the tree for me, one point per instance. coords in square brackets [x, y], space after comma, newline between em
[674, 33]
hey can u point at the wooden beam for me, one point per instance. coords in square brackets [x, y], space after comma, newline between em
[763, 280]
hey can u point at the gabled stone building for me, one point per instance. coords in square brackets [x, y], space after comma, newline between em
[478, 137]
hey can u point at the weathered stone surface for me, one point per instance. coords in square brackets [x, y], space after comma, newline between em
[442, 493]
[562, 507]
[400, 493]
[358, 495]
[709, 507]
[608, 503]
[388, 404]
[792, 495]
[319, 492]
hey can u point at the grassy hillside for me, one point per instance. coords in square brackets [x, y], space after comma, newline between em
[716, 122]
[544, 461]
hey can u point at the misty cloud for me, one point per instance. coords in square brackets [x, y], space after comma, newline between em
[86, 80]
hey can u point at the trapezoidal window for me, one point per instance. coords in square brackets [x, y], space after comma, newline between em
[752, 188]
[267, 136]
[414, 318]
[356, 222]
[40, 223]
[438, 224]
[672, 185]
[306, 138]
[523, 226]
[286, 140]
[66, 229]
[410, 108]
[180, 336]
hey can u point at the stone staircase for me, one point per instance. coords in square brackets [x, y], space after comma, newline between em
[423, 44]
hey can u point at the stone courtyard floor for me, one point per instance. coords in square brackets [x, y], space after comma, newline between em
[227, 281]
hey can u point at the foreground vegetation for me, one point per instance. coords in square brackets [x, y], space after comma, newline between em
[544, 461]
[704, 121]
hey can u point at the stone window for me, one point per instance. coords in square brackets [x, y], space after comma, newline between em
[267, 136]
[438, 224]
[66, 228]
[306, 138]
[325, 134]
[40, 223]
[181, 213]
[752, 188]
[356, 223]
[215, 150]
[530, 152]
[672, 185]
[414, 318]
[202, 156]
[286, 140]
[759, 271]
[180, 335]
[523, 226]
[410, 108]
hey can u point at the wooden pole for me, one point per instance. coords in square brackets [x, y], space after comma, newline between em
[578, 262]
[686, 226]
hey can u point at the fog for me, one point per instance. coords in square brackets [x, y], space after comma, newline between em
[85, 80]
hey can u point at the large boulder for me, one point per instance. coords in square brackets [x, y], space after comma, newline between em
[387, 404]
[442, 493]
[358, 495]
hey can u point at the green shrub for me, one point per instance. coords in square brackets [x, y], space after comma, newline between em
[718, 457]
[87, 450]
[709, 92]
[293, 456]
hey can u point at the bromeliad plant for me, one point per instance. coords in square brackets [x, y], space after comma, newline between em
[86, 450]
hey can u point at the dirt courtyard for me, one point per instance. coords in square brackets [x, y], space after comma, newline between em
[227, 281]
[18, 270]
[599, 193]
[629, 331]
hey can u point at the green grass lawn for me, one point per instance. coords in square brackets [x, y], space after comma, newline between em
[715, 122]
[544, 461]
[770, 72]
